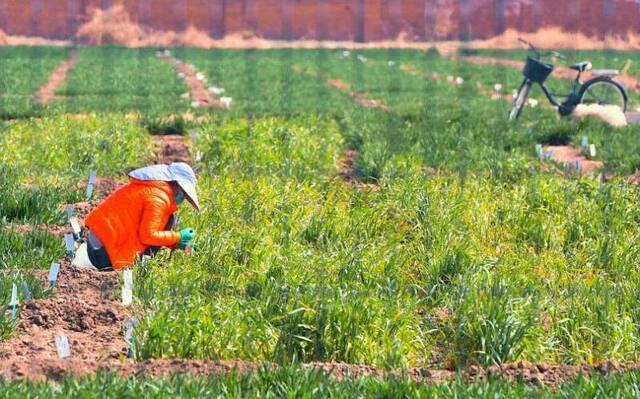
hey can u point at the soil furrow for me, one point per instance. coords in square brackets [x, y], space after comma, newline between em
[200, 94]
[361, 98]
[171, 148]
[47, 93]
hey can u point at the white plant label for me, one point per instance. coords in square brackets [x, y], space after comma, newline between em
[69, 212]
[75, 225]
[128, 278]
[128, 334]
[92, 183]
[62, 345]
[127, 288]
[127, 296]
[14, 301]
[70, 244]
[592, 150]
[53, 274]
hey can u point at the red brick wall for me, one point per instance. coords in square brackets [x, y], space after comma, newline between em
[332, 19]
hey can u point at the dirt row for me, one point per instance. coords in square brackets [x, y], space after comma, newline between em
[47, 93]
[200, 94]
[361, 98]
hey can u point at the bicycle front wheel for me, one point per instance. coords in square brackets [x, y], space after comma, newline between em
[520, 100]
[603, 91]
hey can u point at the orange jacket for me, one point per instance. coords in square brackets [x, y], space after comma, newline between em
[132, 219]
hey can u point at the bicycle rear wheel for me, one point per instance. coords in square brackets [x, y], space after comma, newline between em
[520, 100]
[603, 91]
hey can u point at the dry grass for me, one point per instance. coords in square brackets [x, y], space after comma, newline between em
[556, 38]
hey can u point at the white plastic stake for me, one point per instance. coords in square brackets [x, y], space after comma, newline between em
[129, 326]
[14, 301]
[92, 182]
[592, 150]
[75, 226]
[585, 142]
[53, 274]
[69, 212]
[127, 287]
[62, 345]
[69, 243]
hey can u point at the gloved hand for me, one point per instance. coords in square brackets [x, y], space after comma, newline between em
[186, 236]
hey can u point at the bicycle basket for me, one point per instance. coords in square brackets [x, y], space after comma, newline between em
[537, 71]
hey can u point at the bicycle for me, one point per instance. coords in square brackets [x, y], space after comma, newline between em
[601, 89]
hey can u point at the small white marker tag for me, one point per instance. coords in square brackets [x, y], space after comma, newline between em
[127, 296]
[129, 326]
[14, 301]
[92, 182]
[93, 176]
[592, 150]
[127, 287]
[75, 225]
[62, 345]
[53, 274]
[26, 291]
[69, 212]
[69, 242]
[128, 278]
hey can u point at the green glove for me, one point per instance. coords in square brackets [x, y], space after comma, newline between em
[186, 236]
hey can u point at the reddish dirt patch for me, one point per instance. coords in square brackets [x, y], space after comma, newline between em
[81, 209]
[346, 164]
[104, 186]
[362, 98]
[200, 93]
[347, 171]
[549, 374]
[563, 153]
[47, 93]
[171, 148]
[82, 309]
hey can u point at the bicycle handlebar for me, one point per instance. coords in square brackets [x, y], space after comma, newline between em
[540, 54]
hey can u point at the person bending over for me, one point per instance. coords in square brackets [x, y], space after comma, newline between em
[137, 218]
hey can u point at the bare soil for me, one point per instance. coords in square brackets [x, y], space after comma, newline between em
[104, 186]
[361, 98]
[171, 148]
[84, 310]
[563, 153]
[47, 93]
[199, 90]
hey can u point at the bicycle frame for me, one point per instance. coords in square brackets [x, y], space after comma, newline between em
[571, 98]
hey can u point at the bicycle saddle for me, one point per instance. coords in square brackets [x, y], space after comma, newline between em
[582, 66]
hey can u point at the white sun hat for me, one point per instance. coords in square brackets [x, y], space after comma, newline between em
[178, 172]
